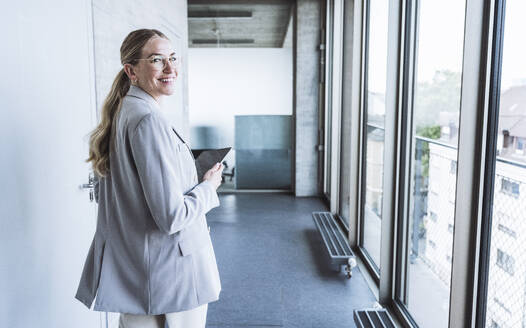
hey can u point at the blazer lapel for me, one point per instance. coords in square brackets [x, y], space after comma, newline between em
[178, 136]
[182, 140]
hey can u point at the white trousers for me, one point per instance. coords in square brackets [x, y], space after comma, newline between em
[194, 318]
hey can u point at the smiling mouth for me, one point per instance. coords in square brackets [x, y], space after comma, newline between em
[168, 80]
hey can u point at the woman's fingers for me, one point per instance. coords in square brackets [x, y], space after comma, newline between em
[217, 167]
[214, 174]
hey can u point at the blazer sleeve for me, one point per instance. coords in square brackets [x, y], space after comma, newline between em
[157, 162]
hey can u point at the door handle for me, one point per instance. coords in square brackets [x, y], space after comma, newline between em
[90, 186]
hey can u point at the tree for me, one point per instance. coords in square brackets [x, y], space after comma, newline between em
[441, 94]
[431, 132]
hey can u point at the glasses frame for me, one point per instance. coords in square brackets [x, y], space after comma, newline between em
[165, 60]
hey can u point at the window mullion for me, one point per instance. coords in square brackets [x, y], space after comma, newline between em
[471, 165]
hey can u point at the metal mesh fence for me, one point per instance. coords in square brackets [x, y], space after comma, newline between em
[433, 227]
[431, 231]
[507, 276]
[434, 207]
[438, 221]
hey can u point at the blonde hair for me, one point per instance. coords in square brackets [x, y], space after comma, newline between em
[103, 135]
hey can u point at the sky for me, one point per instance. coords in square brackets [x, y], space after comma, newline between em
[440, 42]
[514, 52]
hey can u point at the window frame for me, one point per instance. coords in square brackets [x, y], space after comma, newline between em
[372, 267]
[492, 34]
[480, 87]
[327, 101]
[332, 102]
[336, 18]
[473, 145]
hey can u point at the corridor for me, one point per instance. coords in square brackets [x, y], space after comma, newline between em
[274, 269]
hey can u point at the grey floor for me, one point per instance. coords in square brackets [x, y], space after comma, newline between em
[274, 270]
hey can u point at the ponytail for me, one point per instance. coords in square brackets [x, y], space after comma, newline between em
[102, 137]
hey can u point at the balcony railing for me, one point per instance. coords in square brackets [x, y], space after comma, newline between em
[432, 226]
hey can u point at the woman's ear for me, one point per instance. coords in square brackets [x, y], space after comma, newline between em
[130, 71]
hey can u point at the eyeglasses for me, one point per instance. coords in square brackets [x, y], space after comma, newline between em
[158, 62]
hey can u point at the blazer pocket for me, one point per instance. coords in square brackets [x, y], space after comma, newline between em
[195, 243]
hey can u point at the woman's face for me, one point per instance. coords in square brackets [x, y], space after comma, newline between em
[155, 73]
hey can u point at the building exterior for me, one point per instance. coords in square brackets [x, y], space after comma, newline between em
[439, 220]
[507, 282]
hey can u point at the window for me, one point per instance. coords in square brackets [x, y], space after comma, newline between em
[507, 230]
[506, 287]
[434, 133]
[430, 224]
[494, 324]
[374, 117]
[433, 216]
[509, 187]
[520, 145]
[505, 262]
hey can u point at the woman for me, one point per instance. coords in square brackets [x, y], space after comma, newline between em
[151, 258]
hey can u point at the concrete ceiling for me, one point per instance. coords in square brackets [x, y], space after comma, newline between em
[239, 24]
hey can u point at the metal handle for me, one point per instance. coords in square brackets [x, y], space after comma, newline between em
[87, 186]
[90, 186]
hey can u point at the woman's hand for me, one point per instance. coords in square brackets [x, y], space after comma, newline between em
[214, 175]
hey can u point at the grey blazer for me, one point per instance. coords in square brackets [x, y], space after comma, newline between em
[151, 253]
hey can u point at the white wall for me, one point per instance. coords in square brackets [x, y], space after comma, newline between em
[47, 106]
[224, 82]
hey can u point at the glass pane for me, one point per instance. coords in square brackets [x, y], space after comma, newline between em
[507, 270]
[375, 109]
[436, 109]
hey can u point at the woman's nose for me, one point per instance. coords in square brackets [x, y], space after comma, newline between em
[169, 68]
